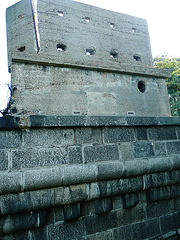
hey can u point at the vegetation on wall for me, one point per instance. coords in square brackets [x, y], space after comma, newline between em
[173, 83]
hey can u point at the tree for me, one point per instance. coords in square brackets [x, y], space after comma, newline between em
[173, 83]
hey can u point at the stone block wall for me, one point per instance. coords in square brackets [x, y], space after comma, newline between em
[88, 178]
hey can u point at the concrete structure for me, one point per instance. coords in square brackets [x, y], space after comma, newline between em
[75, 59]
[75, 163]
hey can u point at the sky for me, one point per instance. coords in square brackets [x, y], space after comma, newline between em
[163, 19]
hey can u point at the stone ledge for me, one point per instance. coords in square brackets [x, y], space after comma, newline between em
[42, 199]
[10, 122]
[78, 174]
[119, 68]
[73, 121]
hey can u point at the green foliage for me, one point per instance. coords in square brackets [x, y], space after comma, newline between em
[173, 83]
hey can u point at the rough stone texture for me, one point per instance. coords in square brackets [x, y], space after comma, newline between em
[30, 157]
[100, 153]
[143, 149]
[80, 163]
[3, 160]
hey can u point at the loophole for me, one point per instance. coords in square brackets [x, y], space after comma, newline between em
[142, 86]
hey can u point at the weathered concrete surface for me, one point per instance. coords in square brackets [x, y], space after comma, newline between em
[20, 29]
[77, 33]
[42, 90]
[88, 61]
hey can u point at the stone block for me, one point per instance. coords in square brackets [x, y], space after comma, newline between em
[151, 210]
[59, 214]
[74, 154]
[34, 157]
[94, 190]
[160, 164]
[42, 178]
[136, 121]
[110, 170]
[130, 200]
[163, 207]
[148, 228]
[175, 190]
[88, 135]
[123, 233]
[101, 222]
[173, 177]
[39, 233]
[107, 235]
[143, 149]
[162, 133]
[139, 230]
[135, 184]
[3, 160]
[10, 182]
[105, 188]
[130, 215]
[170, 222]
[118, 134]
[103, 206]
[101, 153]
[71, 212]
[117, 202]
[50, 216]
[19, 236]
[141, 133]
[9, 122]
[126, 152]
[43, 137]
[71, 194]
[26, 201]
[74, 174]
[173, 147]
[136, 168]
[157, 194]
[78, 193]
[160, 149]
[175, 204]
[62, 196]
[10, 139]
[67, 231]
[156, 180]
[120, 186]
[24, 221]
[88, 208]
[176, 161]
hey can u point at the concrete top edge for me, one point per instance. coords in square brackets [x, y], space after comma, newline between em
[83, 121]
[43, 59]
[9, 122]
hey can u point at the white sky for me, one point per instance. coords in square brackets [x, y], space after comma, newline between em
[163, 18]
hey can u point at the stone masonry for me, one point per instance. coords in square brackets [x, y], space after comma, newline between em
[89, 151]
